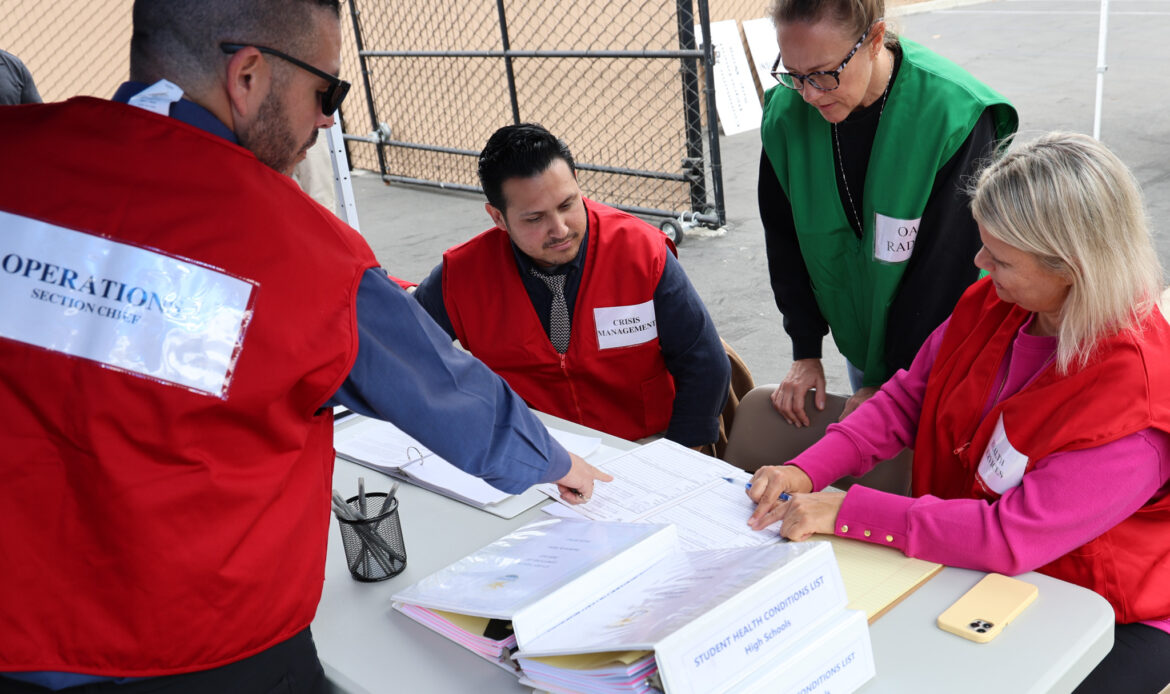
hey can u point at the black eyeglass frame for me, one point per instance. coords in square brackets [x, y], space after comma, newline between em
[798, 79]
[334, 94]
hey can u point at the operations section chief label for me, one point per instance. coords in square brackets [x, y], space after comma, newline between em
[126, 307]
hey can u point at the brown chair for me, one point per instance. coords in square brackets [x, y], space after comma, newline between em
[761, 437]
[741, 384]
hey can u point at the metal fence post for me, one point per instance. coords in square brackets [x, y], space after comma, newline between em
[508, 61]
[357, 33]
[712, 124]
[693, 164]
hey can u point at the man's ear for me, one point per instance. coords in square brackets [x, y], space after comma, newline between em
[249, 78]
[496, 215]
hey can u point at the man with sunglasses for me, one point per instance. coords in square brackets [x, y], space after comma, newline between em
[179, 319]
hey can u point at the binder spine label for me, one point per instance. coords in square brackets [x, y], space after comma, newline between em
[744, 638]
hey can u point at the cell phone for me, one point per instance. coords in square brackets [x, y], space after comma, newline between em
[982, 613]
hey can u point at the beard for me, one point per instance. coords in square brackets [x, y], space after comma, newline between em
[270, 139]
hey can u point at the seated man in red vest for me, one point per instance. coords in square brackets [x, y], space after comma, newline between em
[178, 319]
[583, 309]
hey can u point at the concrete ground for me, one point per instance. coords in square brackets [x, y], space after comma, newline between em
[1041, 54]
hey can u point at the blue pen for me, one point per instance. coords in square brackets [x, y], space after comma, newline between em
[783, 495]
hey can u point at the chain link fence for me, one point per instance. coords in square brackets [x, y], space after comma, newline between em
[621, 82]
[70, 48]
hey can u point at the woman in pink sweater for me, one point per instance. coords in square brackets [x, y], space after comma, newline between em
[1039, 412]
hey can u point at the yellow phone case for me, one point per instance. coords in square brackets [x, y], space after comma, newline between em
[982, 613]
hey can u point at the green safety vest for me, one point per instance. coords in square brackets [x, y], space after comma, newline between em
[930, 111]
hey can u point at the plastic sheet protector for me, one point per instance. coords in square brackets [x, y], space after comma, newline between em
[125, 307]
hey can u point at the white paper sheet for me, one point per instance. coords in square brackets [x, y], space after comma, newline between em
[663, 482]
[384, 447]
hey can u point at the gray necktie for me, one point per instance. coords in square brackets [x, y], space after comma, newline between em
[558, 317]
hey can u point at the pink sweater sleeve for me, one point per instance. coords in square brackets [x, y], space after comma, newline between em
[1066, 500]
[879, 429]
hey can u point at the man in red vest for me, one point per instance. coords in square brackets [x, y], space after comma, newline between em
[581, 308]
[178, 320]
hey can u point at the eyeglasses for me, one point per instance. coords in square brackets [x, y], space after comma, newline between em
[334, 94]
[824, 80]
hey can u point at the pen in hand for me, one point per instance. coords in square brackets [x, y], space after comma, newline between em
[784, 496]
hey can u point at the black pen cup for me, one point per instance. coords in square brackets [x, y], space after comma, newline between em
[374, 549]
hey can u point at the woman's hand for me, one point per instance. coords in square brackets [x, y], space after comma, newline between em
[806, 514]
[767, 486]
[788, 398]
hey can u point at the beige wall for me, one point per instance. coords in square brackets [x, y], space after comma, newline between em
[71, 47]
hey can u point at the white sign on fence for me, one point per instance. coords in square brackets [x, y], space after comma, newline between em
[735, 91]
[761, 41]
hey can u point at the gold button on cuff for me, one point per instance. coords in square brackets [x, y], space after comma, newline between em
[889, 538]
[844, 528]
[867, 533]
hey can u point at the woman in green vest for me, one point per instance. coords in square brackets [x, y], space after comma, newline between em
[869, 141]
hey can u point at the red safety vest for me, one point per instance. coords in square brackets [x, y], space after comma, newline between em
[1120, 392]
[625, 391]
[149, 529]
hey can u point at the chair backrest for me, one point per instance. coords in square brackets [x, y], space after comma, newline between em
[760, 436]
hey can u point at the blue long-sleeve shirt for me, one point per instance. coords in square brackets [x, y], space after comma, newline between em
[408, 372]
[690, 345]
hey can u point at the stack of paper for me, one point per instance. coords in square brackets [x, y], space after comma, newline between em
[468, 631]
[600, 673]
[713, 618]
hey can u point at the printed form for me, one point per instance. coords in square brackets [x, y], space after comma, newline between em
[663, 482]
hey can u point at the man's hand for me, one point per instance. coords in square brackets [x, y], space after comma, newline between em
[856, 399]
[577, 486]
[788, 399]
[768, 484]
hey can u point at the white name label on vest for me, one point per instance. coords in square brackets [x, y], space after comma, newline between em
[122, 306]
[1002, 466]
[893, 239]
[623, 326]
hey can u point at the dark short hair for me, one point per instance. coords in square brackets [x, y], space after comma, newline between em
[518, 151]
[179, 39]
[853, 16]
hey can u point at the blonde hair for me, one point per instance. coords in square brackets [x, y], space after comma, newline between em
[1071, 203]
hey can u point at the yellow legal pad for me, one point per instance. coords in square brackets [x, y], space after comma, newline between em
[876, 578]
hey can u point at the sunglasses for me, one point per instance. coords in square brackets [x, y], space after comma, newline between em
[334, 94]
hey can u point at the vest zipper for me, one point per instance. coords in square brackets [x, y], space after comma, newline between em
[572, 390]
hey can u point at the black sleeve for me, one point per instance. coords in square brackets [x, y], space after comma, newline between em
[694, 356]
[943, 263]
[790, 282]
[429, 293]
